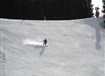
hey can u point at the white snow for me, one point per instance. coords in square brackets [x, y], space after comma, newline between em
[32, 42]
[76, 47]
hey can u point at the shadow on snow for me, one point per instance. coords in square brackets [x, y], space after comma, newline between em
[96, 24]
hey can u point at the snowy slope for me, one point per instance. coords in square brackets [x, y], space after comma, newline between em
[75, 48]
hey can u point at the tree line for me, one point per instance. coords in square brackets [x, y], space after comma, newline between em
[104, 10]
[46, 9]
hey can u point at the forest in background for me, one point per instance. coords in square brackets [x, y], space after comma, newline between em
[46, 9]
[104, 10]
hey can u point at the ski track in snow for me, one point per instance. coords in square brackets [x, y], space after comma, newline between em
[2, 64]
[76, 48]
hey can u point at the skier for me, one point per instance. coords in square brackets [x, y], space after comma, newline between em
[97, 13]
[45, 42]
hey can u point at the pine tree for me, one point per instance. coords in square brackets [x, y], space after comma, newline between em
[90, 7]
[104, 10]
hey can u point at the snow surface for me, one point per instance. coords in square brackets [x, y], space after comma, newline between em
[76, 47]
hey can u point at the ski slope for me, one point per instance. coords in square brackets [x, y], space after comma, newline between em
[75, 47]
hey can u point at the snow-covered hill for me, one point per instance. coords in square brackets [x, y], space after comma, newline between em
[75, 48]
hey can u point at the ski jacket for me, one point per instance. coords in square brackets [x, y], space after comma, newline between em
[97, 14]
[45, 41]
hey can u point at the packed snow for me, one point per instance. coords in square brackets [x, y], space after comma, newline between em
[75, 47]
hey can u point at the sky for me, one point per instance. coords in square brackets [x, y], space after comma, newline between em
[98, 3]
